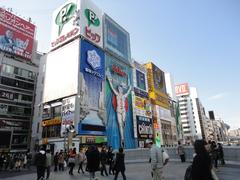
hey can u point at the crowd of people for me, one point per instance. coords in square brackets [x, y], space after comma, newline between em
[91, 160]
[15, 161]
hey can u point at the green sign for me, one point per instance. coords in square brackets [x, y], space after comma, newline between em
[65, 15]
[92, 18]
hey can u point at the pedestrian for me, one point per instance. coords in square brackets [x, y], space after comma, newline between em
[214, 154]
[55, 160]
[82, 158]
[25, 161]
[201, 166]
[119, 164]
[103, 160]
[157, 161]
[61, 161]
[110, 160]
[181, 152]
[48, 163]
[221, 154]
[40, 161]
[93, 161]
[71, 160]
[1, 161]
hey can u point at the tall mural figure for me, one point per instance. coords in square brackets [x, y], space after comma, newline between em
[121, 106]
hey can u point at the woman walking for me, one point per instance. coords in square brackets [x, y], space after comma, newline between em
[71, 160]
[82, 159]
[93, 161]
[201, 167]
[119, 165]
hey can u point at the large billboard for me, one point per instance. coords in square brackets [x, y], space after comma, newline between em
[91, 22]
[65, 23]
[116, 39]
[61, 77]
[144, 126]
[118, 104]
[16, 35]
[92, 78]
[141, 80]
[182, 89]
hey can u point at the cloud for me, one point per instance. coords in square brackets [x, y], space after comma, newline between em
[218, 96]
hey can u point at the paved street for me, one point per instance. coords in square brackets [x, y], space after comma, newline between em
[139, 171]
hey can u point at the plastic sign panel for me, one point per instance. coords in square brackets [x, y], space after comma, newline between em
[16, 35]
[65, 23]
[141, 81]
[92, 78]
[116, 39]
[182, 89]
[91, 22]
[145, 129]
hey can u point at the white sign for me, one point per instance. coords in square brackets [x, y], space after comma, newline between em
[68, 113]
[93, 59]
[91, 22]
[65, 23]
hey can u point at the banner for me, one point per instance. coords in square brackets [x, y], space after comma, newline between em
[118, 104]
[92, 78]
[16, 35]
[91, 22]
[68, 113]
[116, 39]
[145, 129]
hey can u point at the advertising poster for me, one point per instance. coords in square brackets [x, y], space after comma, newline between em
[91, 22]
[68, 113]
[158, 79]
[182, 89]
[16, 35]
[145, 129]
[92, 78]
[118, 104]
[141, 82]
[65, 23]
[116, 39]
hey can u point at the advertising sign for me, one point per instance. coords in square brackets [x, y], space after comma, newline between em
[165, 114]
[116, 39]
[92, 77]
[68, 113]
[91, 22]
[118, 104]
[141, 82]
[16, 35]
[182, 89]
[65, 23]
[145, 129]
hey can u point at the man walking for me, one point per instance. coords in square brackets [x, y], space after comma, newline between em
[181, 152]
[156, 155]
[40, 161]
[48, 163]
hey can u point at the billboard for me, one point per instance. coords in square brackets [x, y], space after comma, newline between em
[141, 81]
[116, 39]
[68, 113]
[92, 78]
[16, 35]
[118, 104]
[182, 89]
[144, 125]
[65, 23]
[91, 22]
[61, 76]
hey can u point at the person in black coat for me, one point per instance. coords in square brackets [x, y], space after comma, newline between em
[201, 167]
[93, 161]
[119, 165]
[110, 160]
[103, 160]
[40, 161]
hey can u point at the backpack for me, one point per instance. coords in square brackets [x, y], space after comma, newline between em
[188, 173]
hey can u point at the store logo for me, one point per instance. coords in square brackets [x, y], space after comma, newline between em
[92, 18]
[65, 15]
[93, 59]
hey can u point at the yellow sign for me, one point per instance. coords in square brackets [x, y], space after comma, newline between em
[51, 122]
[160, 99]
[140, 103]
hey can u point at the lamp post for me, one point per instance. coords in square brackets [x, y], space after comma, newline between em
[68, 129]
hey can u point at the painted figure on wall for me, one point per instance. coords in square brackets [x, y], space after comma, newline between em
[120, 104]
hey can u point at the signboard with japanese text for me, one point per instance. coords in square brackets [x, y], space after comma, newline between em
[91, 22]
[144, 126]
[16, 35]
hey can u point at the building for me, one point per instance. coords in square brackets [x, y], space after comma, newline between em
[18, 76]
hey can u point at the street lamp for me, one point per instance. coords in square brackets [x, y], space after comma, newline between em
[69, 128]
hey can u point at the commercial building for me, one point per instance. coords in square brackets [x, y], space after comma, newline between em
[18, 75]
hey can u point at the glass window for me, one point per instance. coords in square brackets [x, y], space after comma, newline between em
[56, 111]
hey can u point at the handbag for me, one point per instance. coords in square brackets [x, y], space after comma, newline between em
[165, 157]
[188, 173]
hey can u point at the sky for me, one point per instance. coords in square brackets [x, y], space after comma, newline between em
[196, 41]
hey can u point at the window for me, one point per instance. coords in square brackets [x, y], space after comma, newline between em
[51, 131]
[56, 111]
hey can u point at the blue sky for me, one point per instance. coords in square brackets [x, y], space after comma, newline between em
[196, 41]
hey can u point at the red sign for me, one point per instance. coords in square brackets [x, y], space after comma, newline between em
[93, 36]
[16, 35]
[182, 89]
[118, 70]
